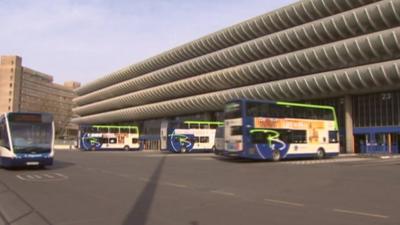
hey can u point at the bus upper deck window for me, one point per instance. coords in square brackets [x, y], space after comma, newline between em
[124, 130]
[204, 126]
[133, 130]
[114, 130]
[103, 130]
[213, 126]
[194, 126]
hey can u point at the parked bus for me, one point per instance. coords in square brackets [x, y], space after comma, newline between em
[109, 137]
[188, 136]
[26, 139]
[267, 130]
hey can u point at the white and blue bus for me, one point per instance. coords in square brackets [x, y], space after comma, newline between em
[109, 137]
[26, 139]
[268, 130]
[188, 136]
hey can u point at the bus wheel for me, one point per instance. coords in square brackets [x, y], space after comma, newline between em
[126, 148]
[183, 150]
[276, 155]
[320, 153]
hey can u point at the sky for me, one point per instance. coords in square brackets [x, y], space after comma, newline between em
[83, 40]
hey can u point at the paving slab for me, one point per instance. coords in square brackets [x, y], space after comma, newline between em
[31, 219]
[12, 207]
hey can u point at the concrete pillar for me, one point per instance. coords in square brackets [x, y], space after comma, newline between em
[348, 117]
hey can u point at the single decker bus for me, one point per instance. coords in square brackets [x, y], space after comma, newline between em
[26, 139]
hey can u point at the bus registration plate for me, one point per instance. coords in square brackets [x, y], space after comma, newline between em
[32, 163]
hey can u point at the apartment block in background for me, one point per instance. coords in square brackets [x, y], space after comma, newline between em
[25, 90]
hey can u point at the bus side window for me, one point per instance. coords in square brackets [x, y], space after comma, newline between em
[103, 130]
[4, 137]
[213, 126]
[104, 140]
[333, 136]
[135, 140]
[124, 130]
[133, 130]
[204, 126]
[204, 140]
[114, 130]
[196, 140]
[194, 126]
[298, 136]
[112, 140]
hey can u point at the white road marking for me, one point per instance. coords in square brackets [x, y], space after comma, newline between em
[21, 177]
[176, 185]
[42, 177]
[48, 176]
[360, 213]
[223, 193]
[61, 175]
[284, 202]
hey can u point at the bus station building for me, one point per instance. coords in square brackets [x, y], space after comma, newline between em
[342, 53]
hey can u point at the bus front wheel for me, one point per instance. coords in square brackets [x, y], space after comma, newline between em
[126, 148]
[320, 153]
[276, 155]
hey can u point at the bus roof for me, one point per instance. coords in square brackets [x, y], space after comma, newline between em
[293, 104]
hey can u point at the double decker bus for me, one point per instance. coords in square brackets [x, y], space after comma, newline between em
[188, 136]
[268, 130]
[109, 137]
[26, 139]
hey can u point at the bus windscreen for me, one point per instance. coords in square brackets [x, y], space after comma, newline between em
[35, 137]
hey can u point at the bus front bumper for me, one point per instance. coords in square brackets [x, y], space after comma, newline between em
[25, 162]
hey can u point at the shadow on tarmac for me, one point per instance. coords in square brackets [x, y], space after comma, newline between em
[237, 160]
[58, 164]
[140, 211]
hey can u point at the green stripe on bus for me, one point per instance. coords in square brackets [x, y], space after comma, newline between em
[114, 126]
[204, 122]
